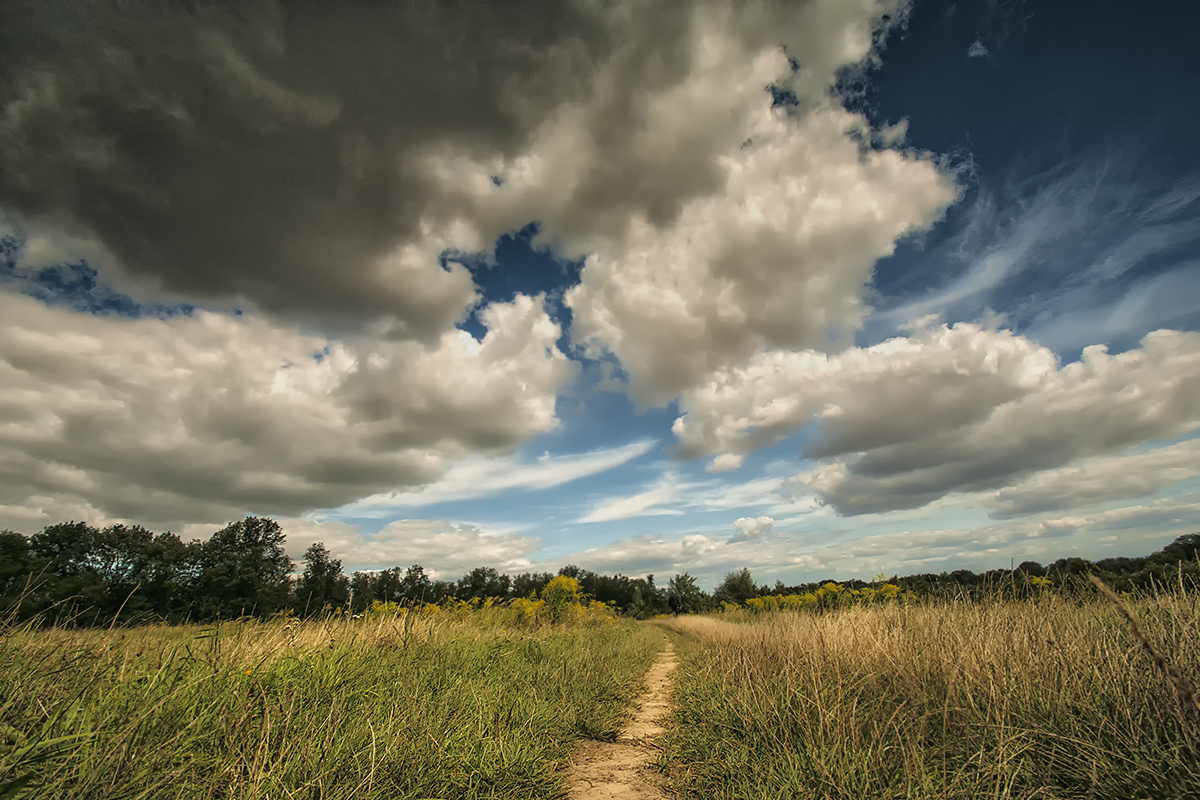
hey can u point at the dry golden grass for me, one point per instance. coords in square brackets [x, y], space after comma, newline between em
[1040, 699]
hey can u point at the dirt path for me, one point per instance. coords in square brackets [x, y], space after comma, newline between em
[602, 770]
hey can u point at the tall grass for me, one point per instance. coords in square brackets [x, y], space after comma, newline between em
[1047, 699]
[396, 707]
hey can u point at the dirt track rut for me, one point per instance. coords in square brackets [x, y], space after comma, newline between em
[617, 770]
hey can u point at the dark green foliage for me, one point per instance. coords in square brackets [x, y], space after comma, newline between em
[483, 582]
[243, 570]
[529, 584]
[693, 598]
[634, 597]
[362, 591]
[15, 563]
[738, 587]
[118, 572]
[322, 587]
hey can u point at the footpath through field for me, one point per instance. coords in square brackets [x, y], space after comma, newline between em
[602, 770]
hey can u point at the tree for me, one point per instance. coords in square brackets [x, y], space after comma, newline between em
[322, 585]
[362, 591]
[692, 597]
[1184, 548]
[737, 587]
[1070, 566]
[416, 587]
[529, 584]
[169, 576]
[387, 586]
[243, 569]
[483, 582]
[16, 568]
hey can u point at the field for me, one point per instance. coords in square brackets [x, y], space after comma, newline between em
[1052, 697]
[450, 706]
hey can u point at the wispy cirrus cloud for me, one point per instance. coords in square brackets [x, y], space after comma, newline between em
[657, 500]
[1088, 251]
[477, 478]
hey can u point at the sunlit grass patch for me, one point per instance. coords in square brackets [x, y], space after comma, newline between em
[1045, 699]
[408, 705]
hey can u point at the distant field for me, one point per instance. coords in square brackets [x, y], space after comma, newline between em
[1039, 699]
[456, 706]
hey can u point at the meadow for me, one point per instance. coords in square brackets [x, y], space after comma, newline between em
[1052, 697]
[455, 703]
[852, 695]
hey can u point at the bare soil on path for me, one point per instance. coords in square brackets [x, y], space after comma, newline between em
[617, 770]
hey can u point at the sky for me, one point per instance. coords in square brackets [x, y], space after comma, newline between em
[825, 289]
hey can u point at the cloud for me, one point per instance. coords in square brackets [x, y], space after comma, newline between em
[287, 165]
[477, 477]
[1110, 250]
[950, 409]
[1098, 480]
[703, 555]
[445, 550]
[315, 163]
[977, 50]
[780, 252]
[716, 495]
[203, 418]
[798, 555]
[668, 490]
[752, 529]
[1016, 540]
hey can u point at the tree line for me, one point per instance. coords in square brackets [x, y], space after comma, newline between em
[75, 571]
[89, 575]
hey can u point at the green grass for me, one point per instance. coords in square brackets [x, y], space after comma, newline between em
[997, 700]
[363, 709]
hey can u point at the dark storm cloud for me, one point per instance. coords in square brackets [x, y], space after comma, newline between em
[268, 151]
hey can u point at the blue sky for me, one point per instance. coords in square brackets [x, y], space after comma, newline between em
[617, 306]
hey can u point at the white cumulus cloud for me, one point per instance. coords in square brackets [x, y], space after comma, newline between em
[950, 409]
[751, 529]
[202, 418]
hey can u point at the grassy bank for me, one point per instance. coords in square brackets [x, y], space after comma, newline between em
[390, 707]
[1044, 699]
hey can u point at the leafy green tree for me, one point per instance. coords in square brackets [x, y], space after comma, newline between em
[387, 585]
[322, 585]
[416, 586]
[1184, 548]
[483, 582]
[119, 571]
[169, 576]
[529, 584]
[737, 587]
[692, 596]
[16, 568]
[243, 569]
[362, 591]
[66, 547]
